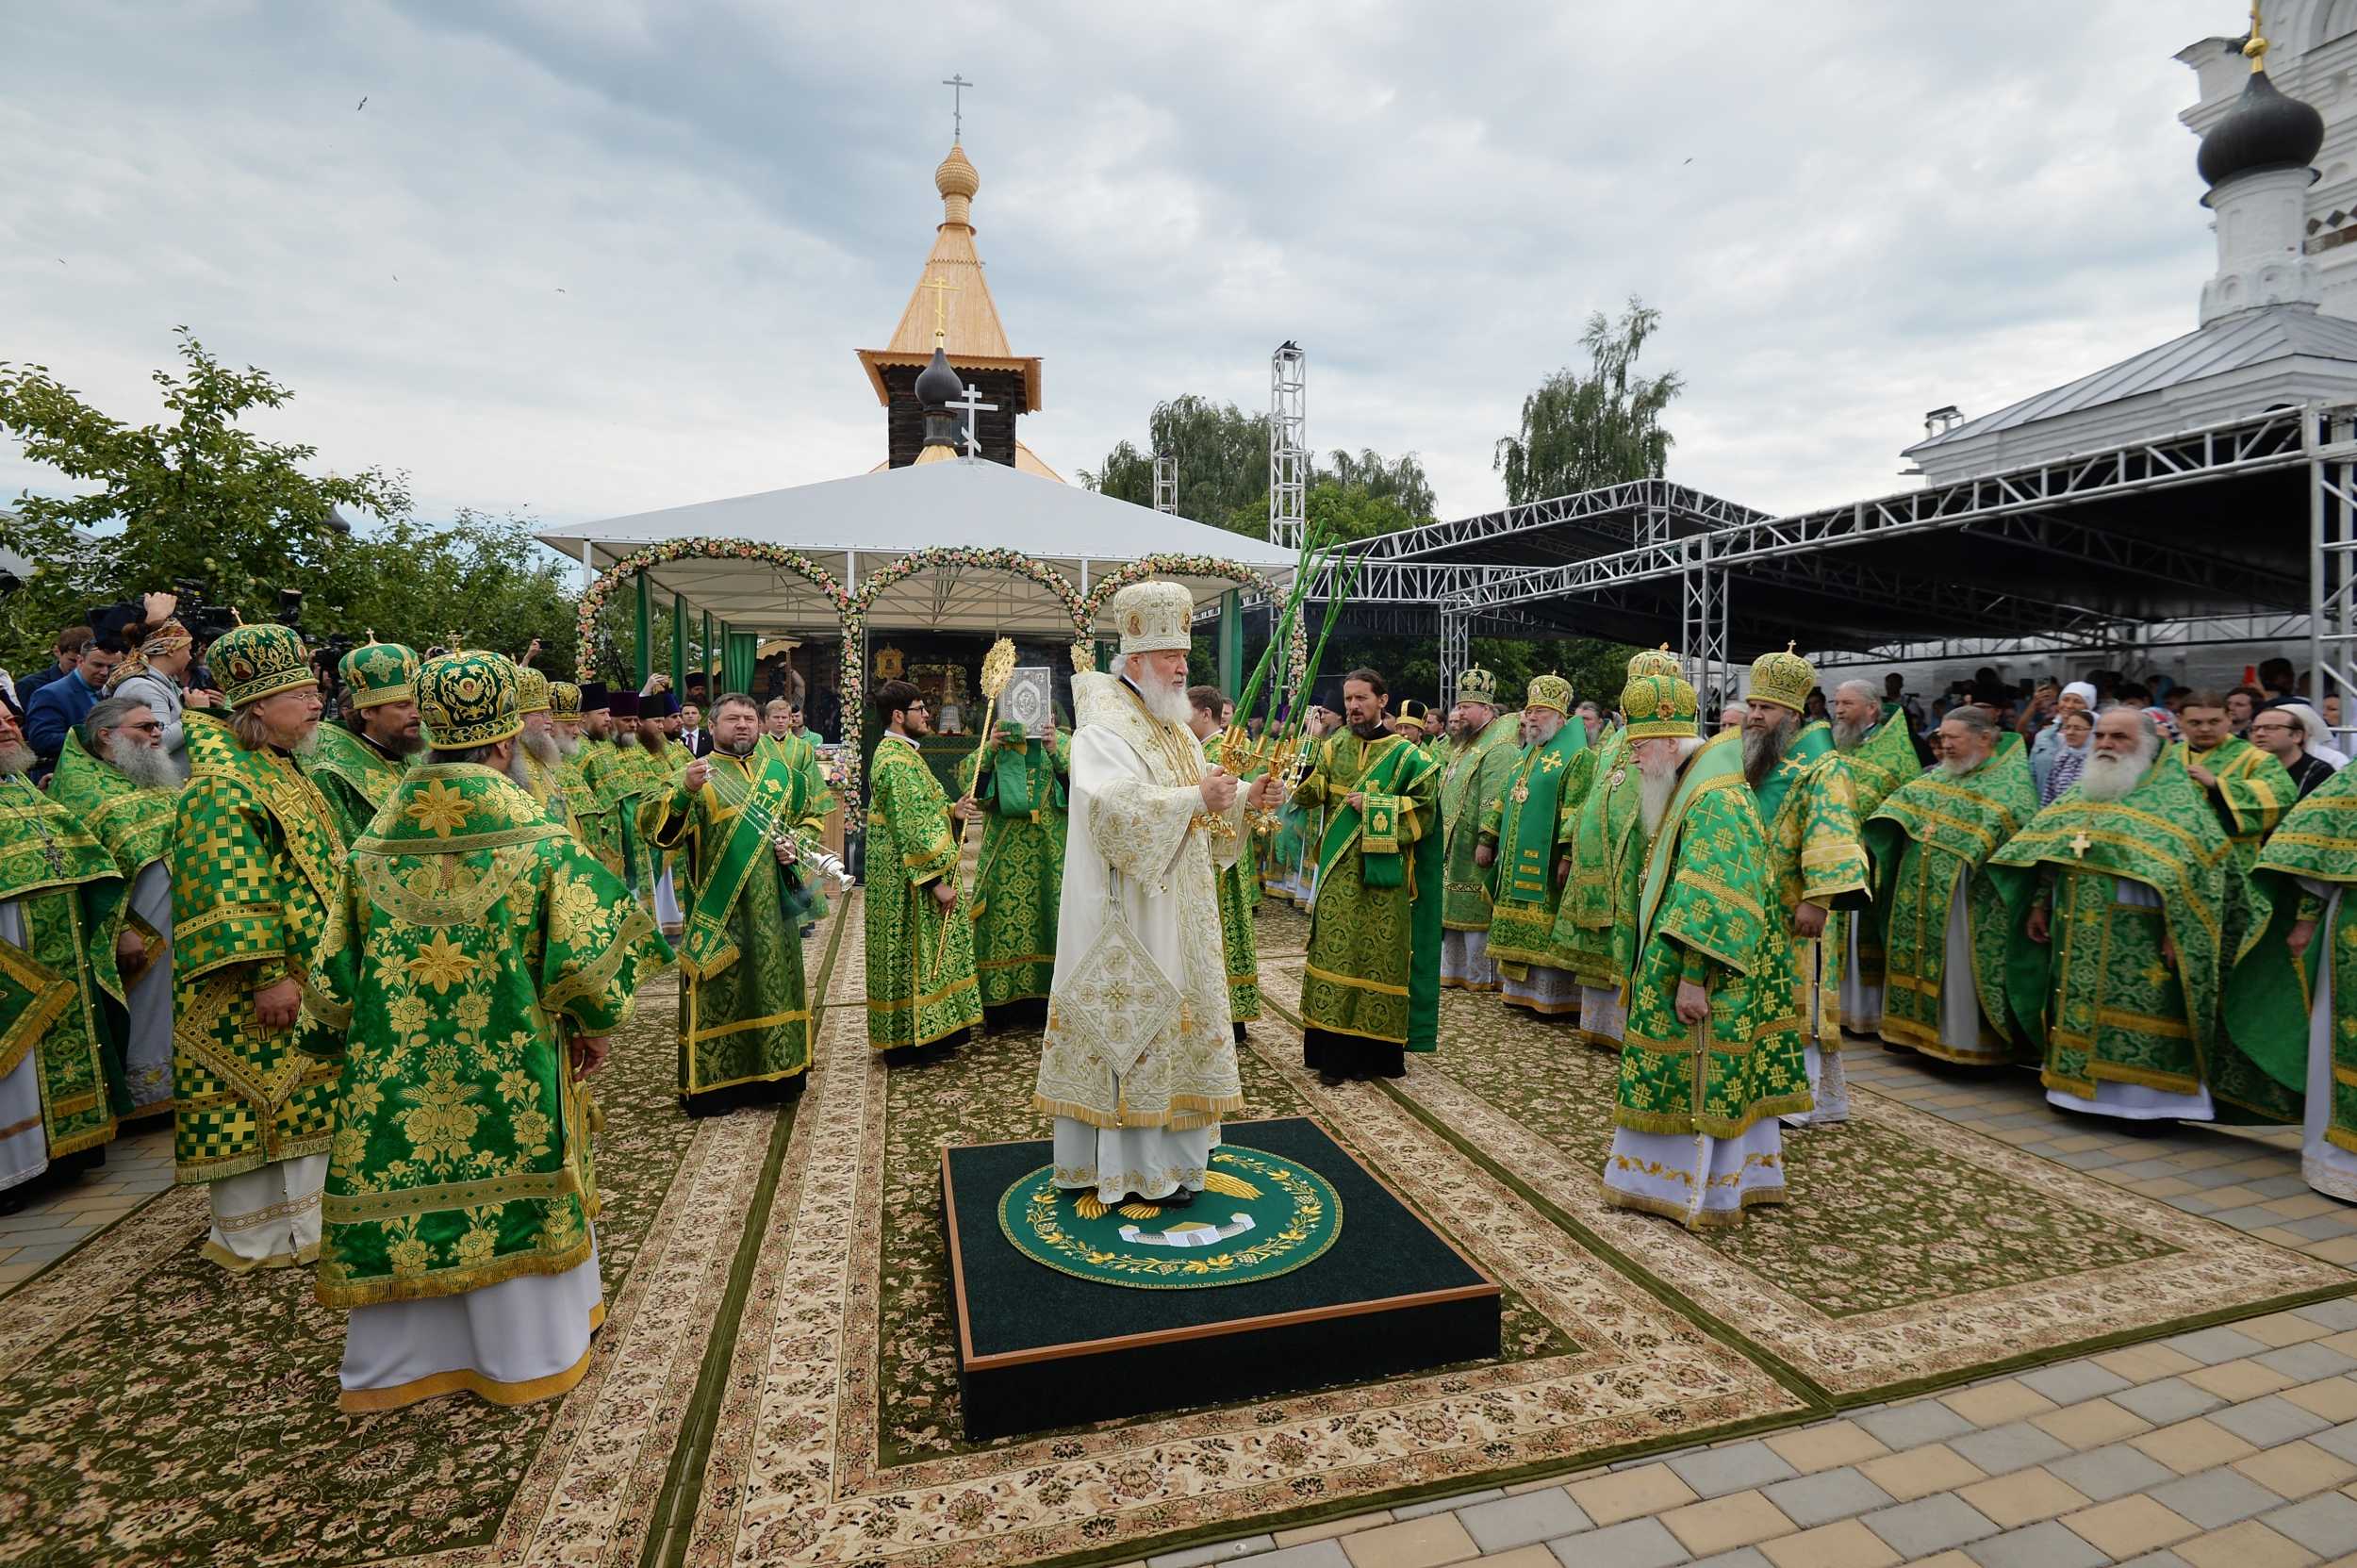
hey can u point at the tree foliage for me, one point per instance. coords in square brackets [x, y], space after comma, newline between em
[199, 497]
[1222, 455]
[1582, 432]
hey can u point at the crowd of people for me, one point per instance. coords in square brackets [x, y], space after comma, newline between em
[368, 964]
[2137, 898]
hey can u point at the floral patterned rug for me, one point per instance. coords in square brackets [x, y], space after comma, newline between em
[1911, 1252]
[159, 1411]
[838, 1439]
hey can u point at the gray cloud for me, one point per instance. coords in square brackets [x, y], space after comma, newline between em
[1888, 208]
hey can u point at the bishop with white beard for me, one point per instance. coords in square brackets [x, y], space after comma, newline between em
[1138, 1064]
[2115, 969]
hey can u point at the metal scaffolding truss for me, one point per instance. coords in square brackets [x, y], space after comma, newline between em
[1644, 503]
[2274, 440]
[1288, 446]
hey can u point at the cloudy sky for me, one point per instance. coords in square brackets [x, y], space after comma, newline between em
[583, 257]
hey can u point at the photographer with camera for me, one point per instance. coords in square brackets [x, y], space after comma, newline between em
[156, 673]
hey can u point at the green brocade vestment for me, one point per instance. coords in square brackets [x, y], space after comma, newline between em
[1875, 766]
[1526, 821]
[1239, 888]
[2271, 999]
[67, 892]
[462, 932]
[132, 822]
[1595, 922]
[1707, 914]
[920, 956]
[254, 856]
[1019, 871]
[1929, 840]
[1472, 776]
[2101, 998]
[1374, 967]
[1814, 856]
[353, 778]
[743, 1010]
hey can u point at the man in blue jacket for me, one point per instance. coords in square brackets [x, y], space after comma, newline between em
[60, 705]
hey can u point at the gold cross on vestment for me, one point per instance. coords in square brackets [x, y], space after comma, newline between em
[2080, 845]
[1549, 762]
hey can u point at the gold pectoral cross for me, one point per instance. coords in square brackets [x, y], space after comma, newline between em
[2080, 845]
[1522, 791]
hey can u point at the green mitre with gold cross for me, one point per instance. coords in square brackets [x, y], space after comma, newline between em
[467, 700]
[1658, 706]
[376, 672]
[258, 661]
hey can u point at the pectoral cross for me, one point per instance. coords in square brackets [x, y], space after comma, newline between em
[1522, 791]
[2080, 845]
[972, 404]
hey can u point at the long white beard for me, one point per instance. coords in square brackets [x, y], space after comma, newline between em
[308, 746]
[1167, 703]
[144, 765]
[568, 745]
[15, 760]
[2109, 777]
[1653, 799]
[517, 773]
[541, 744]
[1846, 736]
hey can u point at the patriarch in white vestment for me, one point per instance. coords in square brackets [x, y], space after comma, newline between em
[1138, 1064]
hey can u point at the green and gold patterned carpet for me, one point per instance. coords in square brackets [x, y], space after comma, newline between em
[777, 1382]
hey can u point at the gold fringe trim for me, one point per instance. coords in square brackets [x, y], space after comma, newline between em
[1185, 1114]
[1686, 1124]
[372, 1401]
[1906, 1032]
[341, 1292]
[1703, 1219]
[213, 1252]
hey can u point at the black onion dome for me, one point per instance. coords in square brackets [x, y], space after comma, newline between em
[2263, 130]
[937, 384]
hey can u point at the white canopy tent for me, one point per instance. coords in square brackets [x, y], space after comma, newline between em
[858, 525]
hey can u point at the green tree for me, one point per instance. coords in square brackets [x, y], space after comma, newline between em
[195, 496]
[481, 578]
[1584, 432]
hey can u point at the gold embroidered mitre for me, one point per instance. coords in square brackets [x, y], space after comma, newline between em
[1550, 691]
[375, 673]
[1477, 685]
[258, 661]
[532, 691]
[468, 700]
[564, 701]
[1785, 679]
[1655, 661]
[1153, 617]
[1659, 705]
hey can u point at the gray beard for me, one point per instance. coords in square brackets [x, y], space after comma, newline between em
[569, 745]
[2113, 778]
[1955, 767]
[542, 747]
[740, 751]
[144, 765]
[517, 773]
[308, 748]
[1762, 751]
[1847, 737]
[15, 761]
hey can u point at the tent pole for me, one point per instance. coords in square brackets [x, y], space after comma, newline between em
[646, 630]
[679, 645]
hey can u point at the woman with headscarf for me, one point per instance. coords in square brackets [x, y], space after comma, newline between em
[152, 673]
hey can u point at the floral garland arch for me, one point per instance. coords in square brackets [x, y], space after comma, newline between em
[668, 551]
[992, 558]
[1296, 646]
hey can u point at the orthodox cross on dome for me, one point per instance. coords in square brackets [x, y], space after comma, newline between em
[972, 403]
[957, 84]
[2255, 48]
[942, 288]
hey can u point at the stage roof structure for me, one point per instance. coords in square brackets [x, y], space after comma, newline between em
[862, 523]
